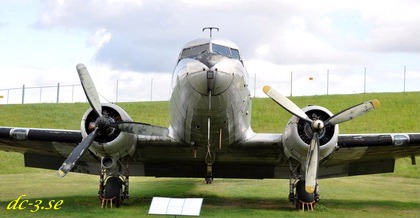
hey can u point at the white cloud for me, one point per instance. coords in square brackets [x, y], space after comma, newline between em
[305, 26]
[137, 40]
[395, 26]
[99, 38]
[263, 51]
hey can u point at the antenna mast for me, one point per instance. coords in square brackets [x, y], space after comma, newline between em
[211, 30]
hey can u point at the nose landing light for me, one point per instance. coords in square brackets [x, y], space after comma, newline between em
[212, 80]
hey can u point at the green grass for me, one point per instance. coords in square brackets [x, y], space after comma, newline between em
[351, 197]
[398, 112]
[387, 195]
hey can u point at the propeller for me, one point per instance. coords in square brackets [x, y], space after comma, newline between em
[284, 102]
[89, 88]
[102, 123]
[317, 125]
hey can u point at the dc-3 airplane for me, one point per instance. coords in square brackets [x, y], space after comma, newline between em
[210, 135]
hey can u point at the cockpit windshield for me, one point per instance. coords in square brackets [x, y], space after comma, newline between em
[194, 51]
[221, 50]
[214, 48]
[226, 51]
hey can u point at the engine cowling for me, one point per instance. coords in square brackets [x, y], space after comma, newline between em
[111, 142]
[298, 133]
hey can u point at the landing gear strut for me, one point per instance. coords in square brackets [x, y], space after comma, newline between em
[113, 186]
[210, 158]
[113, 191]
[209, 177]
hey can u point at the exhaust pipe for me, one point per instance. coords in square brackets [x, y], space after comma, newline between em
[108, 163]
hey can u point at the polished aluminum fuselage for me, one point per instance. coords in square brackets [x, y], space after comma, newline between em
[210, 131]
[210, 94]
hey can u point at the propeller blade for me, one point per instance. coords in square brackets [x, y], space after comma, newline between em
[285, 103]
[141, 128]
[312, 162]
[352, 112]
[76, 154]
[89, 88]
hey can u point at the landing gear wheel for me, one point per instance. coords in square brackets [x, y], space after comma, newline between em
[305, 200]
[113, 188]
[209, 180]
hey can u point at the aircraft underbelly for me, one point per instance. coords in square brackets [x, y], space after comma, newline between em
[189, 170]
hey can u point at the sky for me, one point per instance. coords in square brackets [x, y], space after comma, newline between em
[130, 47]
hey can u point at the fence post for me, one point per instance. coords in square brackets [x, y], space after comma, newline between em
[23, 94]
[58, 92]
[151, 89]
[328, 81]
[40, 95]
[405, 75]
[116, 94]
[291, 83]
[364, 86]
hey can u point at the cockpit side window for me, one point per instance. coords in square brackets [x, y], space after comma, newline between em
[235, 54]
[185, 52]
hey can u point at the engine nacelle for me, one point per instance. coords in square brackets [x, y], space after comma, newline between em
[298, 133]
[111, 142]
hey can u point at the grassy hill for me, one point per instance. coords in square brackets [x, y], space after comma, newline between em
[369, 196]
[398, 112]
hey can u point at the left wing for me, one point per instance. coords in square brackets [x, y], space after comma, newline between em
[46, 148]
[360, 154]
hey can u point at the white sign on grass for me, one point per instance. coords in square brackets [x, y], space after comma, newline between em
[176, 206]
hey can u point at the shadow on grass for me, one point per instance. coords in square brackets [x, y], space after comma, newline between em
[362, 204]
[187, 189]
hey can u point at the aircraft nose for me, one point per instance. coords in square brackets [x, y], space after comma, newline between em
[212, 80]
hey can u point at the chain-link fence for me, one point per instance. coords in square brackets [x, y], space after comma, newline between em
[118, 91]
[292, 83]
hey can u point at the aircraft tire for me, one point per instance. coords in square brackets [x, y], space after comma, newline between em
[301, 193]
[113, 189]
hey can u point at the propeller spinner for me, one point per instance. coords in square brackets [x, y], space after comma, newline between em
[317, 125]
